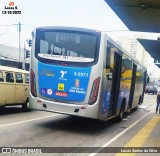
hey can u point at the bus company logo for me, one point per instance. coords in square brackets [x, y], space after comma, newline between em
[63, 73]
[47, 72]
[77, 82]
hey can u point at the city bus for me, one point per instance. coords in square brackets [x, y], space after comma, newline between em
[83, 72]
[14, 87]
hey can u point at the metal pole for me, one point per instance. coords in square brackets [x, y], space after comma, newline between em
[24, 54]
[19, 29]
[24, 57]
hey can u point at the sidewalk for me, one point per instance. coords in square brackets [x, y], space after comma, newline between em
[153, 139]
[147, 138]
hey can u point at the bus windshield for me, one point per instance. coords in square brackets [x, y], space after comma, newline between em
[65, 46]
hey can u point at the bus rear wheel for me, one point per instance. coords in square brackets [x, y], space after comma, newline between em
[121, 114]
[2, 108]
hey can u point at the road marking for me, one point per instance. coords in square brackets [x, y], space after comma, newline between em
[142, 106]
[151, 102]
[141, 136]
[120, 134]
[151, 106]
[16, 123]
[125, 119]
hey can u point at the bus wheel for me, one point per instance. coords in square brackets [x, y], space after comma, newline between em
[139, 101]
[121, 114]
[136, 108]
[25, 106]
[2, 108]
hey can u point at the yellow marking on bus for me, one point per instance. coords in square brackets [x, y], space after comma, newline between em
[61, 86]
[139, 139]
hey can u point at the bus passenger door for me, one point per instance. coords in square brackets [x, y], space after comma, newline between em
[113, 63]
[115, 84]
[132, 85]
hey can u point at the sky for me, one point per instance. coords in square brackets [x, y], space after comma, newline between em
[93, 14]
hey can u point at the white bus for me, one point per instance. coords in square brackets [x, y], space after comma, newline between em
[14, 87]
[84, 73]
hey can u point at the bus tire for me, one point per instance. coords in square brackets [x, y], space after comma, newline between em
[121, 113]
[2, 108]
[135, 109]
[139, 101]
[25, 106]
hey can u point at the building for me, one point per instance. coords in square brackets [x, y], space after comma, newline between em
[132, 46]
[9, 56]
[135, 48]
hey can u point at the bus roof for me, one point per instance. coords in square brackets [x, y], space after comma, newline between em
[4, 68]
[68, 28]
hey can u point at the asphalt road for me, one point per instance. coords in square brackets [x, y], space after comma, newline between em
[44, 129]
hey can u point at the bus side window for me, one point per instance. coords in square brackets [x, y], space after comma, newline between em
[1, 77]
[9, 77]
[19, 78]
[26, 78]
